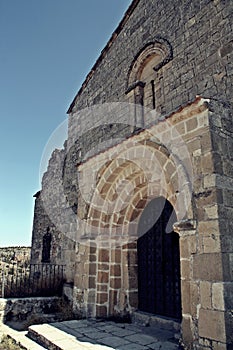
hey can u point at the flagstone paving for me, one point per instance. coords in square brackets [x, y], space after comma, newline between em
[102, 335]
[93, 335]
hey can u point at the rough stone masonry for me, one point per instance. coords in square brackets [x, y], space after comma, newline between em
[152, 122]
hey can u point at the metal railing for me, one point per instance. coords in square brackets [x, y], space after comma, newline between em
[31, 281]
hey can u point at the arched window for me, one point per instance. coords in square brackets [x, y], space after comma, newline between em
[46, 247]
[142, 83]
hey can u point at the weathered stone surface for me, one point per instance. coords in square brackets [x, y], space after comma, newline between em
[218, 296]
[187, 330]
[22, 312]
[212, 325]
[214, 270]
[205, 294]
[162, 58]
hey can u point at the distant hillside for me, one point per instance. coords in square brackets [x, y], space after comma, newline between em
[15, 255]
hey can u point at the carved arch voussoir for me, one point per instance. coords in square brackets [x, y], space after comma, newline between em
[160, 47]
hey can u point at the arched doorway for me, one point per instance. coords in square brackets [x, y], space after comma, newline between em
[159, 290]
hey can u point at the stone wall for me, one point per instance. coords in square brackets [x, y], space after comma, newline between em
[54, 213]
[222, 143]
[199, 33]
[106, 281]
[21, 313]
[194, 40]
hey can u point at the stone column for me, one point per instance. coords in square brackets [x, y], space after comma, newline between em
[189, 289]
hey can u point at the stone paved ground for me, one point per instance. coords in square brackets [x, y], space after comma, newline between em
[94, 334]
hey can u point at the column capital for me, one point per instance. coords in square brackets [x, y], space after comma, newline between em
[185, 227]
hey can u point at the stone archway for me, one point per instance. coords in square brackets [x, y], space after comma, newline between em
[159, 287]
[124, 180]
[153, 163]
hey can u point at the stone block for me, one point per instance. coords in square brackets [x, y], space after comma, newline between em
[115, 283]
[185, 292]
[207, 166]
[92, 269]
[102, 298]
[103, 267]
[92, 249]
[115, 270]
[226, 243]
[102, 287]
[91, 297]
[229, 327]
[209, 180]
[187, 331]
[116, 256]
[228, 295]
[208, 227]
[211, 211]
[133, 272]
[188, 246]
[101, 310]
[194, 299]
[208, 197]
[133, 299]
[103, 255]
[92, 282]
[206, 143]
[207, 267]
[185, 269]
[92, 257]
[210, 244]
[191, 124]
[228, 197]
[179, 129]
[211, 325]
[133, 283]
[205, 295]
[78, 280]
[227, 263]
[113, 298]
[103, 277]
[218, 296]
[228, 170]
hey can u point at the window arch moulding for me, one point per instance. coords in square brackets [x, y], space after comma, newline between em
[159, 52]
[143, 83]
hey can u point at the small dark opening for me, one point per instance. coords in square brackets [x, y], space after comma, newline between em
[46, 247]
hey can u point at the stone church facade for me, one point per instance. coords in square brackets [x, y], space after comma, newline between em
[138, 203]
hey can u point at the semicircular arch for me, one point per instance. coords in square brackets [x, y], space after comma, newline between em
[142, 172]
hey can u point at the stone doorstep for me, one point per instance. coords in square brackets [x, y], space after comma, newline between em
[145, 319]
[20, 338]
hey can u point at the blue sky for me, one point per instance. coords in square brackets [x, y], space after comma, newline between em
[47, 48]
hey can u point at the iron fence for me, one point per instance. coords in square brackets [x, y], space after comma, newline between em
[31, 281]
